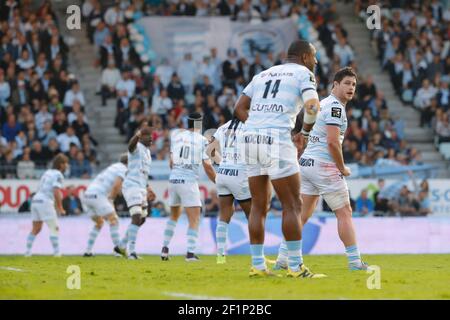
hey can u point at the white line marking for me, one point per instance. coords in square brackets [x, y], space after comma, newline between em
[12, 269]
[194, 297]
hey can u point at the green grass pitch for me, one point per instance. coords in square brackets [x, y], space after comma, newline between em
[108, 277]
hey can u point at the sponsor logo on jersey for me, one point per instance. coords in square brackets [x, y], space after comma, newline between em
[278, 108]
[336, 112]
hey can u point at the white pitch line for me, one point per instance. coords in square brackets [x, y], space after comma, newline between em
[194, 297]
[12, 269]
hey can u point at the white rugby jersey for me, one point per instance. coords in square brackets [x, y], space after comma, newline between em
[103, 183]
[50, 180]
[139, 162]
[276, 95]
[332, 113]
[188, 150]
[231, 145]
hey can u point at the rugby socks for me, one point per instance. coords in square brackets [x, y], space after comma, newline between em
[282, 258]
[257, 252]
[294, 254]
[221, 237]
[30, 240]
[55, 244]
[124, 242]
[114, 231]
[192, 237]
[132, 235]
[92, 237]
[353, 255]
[169, 232]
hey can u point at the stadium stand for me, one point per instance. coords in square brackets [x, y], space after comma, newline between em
[41, 105]
[109, 81]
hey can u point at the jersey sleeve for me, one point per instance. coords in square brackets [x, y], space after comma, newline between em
[122, 172]
[58, 181]
[334, 115]
[248, 90]
[204, 146]
[307, 82]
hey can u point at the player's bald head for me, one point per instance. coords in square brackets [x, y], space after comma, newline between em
[299, 48]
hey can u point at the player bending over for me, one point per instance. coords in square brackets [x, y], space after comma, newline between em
[47, 202]
[187, 152]
[98, 201]
[269, 106]
[135, 188]
[323, 169]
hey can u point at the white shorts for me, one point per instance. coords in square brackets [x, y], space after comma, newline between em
[318, 178]
[184, 193]
[97, 205]
[43, 210]
[135, 196]
[270, 152]
[233, 182]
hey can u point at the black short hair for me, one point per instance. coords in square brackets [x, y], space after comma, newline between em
[192, 118]
[299, 48]
[344, 72]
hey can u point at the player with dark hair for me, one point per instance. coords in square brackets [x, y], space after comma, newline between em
[323, 168]
[187, 153]
[269, 106]
[47, 203]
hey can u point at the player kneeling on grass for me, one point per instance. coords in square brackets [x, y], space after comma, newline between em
[135, 188]
[323, 169]
[187, 152]
[47, 202]
[98, 201]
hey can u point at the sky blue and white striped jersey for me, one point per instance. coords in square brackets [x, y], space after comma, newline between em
[188, 151]
[138, 170]
[332, 113]
[232, 146]
[276, 95]
[50, 180]
[103, 183]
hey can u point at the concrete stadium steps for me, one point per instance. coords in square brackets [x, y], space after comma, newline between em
[368, 64]
[82, 59]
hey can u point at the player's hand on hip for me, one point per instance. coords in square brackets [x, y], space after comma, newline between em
[346, 172]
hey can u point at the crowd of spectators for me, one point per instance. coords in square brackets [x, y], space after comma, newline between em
[41, 105]
[210, 85]
[414, 47]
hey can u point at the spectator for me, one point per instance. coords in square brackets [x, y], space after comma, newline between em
[110, 78]
[232, 68]
[187, 71]
[175, 89]
[126, 85]
[162, 105]
[71, 202]
[67, 138]
[42, 117]
[80, 167]
[424, 203]
[344, 52]
[73, 94]
[5, 90]
[125, 55]
[364, 205]
[443, 128]
[256, 67]
[424, 95]
[8, 165]
[164, 71]
[40, 155]
[11, 128]
[25, 167]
